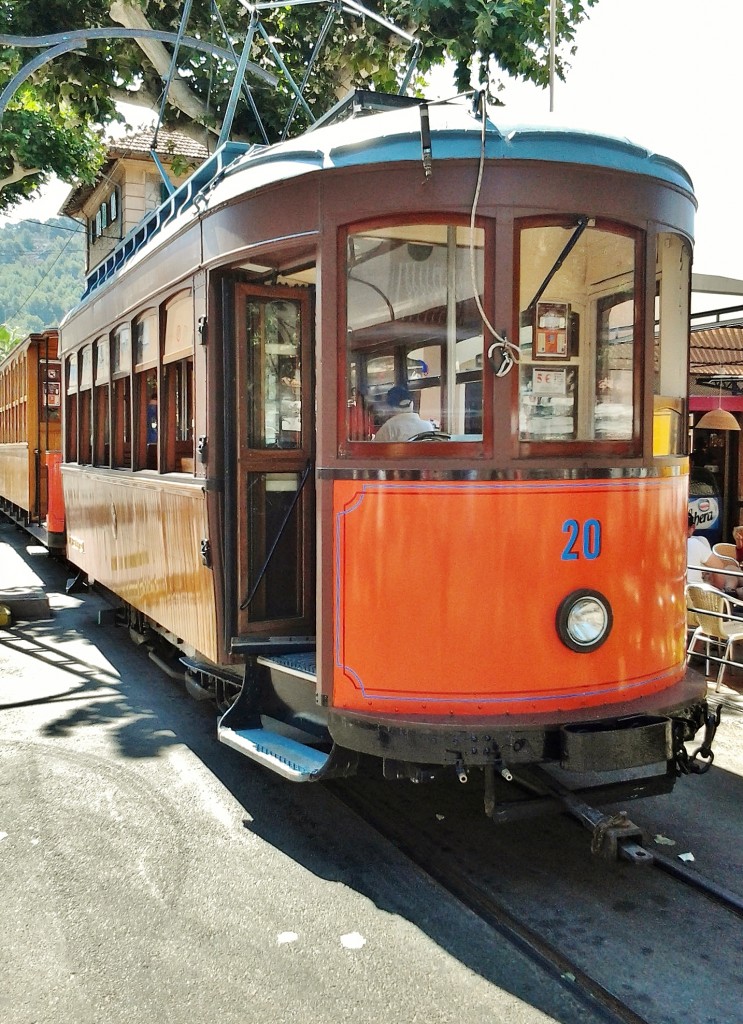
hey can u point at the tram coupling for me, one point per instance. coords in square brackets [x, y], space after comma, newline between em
[613, 836]
[701, 760]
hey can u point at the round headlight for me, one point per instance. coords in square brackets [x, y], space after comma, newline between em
[584, 620]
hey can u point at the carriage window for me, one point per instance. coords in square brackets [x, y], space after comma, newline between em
[578, 326]
[177, 414]
[102, 407]
[85, 453]
[672, 269]
[146, 358]
[414, 334]
[122, 406]
[275, 572]
[122, 418]
[275, 372]
[148, 419]
[71, 408]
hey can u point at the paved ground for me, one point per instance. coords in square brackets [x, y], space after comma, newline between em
[150, 874]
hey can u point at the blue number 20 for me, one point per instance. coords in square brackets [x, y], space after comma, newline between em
[589, 534]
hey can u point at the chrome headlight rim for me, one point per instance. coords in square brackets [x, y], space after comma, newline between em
[574, 629]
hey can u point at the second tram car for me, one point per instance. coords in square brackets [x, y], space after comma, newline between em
[493, 583]
[30, 437]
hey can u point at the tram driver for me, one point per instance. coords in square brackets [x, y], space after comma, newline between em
[404, 422]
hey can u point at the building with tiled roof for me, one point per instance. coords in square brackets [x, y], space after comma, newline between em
[129, 186]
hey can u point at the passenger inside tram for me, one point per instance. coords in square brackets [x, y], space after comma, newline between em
[404, 422]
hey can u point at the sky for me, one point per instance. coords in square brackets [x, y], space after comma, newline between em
[666, 75]
[663, 73]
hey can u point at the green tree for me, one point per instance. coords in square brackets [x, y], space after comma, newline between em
[51, 122]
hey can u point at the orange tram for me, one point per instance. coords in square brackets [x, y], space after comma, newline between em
[384, 428]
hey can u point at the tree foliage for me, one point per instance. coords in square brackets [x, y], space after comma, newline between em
[51, 123]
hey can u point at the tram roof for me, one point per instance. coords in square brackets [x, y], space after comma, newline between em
[366, 133]
[370, 128]
[372, 134]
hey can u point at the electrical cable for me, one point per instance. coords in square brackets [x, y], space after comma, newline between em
[509, 353]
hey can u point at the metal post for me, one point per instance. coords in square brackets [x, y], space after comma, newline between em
[553, 33]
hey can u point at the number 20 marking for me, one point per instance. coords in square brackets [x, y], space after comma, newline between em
[589, 535]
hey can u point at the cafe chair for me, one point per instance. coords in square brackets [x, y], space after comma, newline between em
[717, 626]
[725, 551]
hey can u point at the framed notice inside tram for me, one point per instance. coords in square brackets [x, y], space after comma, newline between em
[551, 331]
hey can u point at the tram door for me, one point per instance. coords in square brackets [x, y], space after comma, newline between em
[275, 453]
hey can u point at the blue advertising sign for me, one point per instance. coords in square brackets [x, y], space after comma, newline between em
[704, 504]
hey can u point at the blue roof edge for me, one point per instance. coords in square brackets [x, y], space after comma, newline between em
[180, 199]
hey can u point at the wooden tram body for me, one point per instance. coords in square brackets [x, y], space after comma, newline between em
[506, 592]
[30, 436]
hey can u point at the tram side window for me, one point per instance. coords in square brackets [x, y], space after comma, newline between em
[178, 392]
[413, 324]
[577, 332]
[672, 272]
[146, 391]
[84, 411]
[102, 412]
[122, 399]
[71, 408]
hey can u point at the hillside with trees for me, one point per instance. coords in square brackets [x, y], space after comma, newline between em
[41, 275]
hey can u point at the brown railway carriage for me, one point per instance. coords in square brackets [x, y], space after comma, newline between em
[228, 370]
[30, 433]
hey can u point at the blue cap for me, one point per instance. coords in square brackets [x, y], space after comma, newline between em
[398, 398]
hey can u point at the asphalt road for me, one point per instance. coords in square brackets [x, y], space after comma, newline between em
[150, 874]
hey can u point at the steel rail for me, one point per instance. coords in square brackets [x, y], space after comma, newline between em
[449, 876]
[717, 893]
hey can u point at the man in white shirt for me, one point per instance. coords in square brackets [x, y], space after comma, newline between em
[404, 422]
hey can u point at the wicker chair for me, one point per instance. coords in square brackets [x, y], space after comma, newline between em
[725, 551]
[713, 610]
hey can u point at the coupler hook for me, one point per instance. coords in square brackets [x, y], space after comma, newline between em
[711, 721]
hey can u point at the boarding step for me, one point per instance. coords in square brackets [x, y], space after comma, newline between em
[295, 761]
[271, 645]
[303, 665]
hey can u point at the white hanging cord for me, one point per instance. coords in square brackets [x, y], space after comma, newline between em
[508, 352]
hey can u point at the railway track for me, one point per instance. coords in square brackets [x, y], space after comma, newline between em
[460, 875]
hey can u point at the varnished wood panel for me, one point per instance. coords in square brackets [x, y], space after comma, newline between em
[15, 475]
[140, 536]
